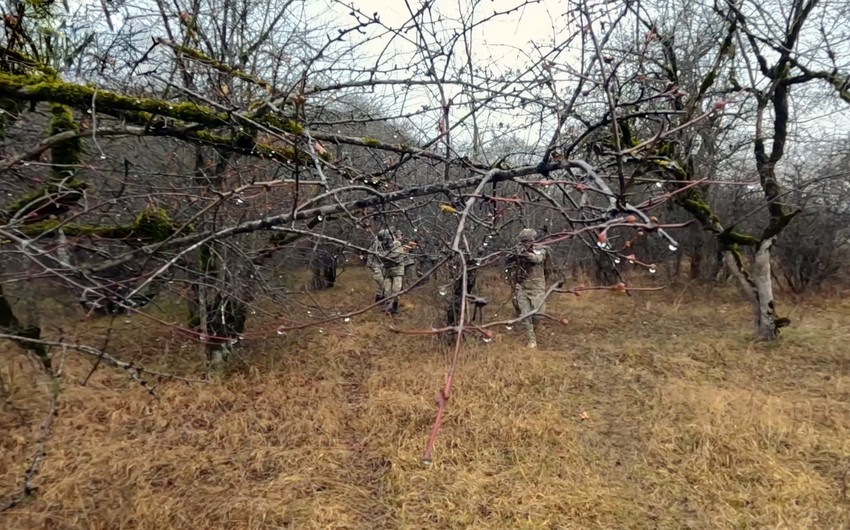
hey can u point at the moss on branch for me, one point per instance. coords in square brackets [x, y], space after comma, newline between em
[670, 166]
[729, 237]
[284, 124]
[39, 87]
[144, 111]
[14, 60]
[68, 153]
[216, 65]
[152, 113]
[246, 145]
[140, 110]
[54, 199]
[151, 225]
[700, 209]
[778, 223]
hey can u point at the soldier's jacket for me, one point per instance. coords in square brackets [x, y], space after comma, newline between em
[373, 261]
[392, 260]
[530, 270]
[408, 258]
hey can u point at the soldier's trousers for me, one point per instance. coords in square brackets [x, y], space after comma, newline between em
[525, 300]
[378, 277]
[392, 286]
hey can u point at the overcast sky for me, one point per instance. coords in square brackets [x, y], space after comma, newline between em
[500, 44]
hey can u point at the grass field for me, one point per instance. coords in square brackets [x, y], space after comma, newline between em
[655, 411]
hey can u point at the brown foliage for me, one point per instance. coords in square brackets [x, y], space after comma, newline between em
[663, 420]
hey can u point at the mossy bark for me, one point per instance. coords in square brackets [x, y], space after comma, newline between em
[217, 65]
[151, 225]
[756, 285]
[66, 155]
[55, 199]
[39, 87]
[148, 112]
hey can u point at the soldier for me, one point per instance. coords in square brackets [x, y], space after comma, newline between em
[408, 260]
[528, 269]
[392, 259]
[373, 261]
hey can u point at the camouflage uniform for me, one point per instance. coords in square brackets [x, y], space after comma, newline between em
[528, 279]
[373, 261]
[393, 269]
[408, 261]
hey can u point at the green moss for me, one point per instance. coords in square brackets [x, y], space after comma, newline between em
[153, 224]
[143, 110]
[140, 110]
[150, 226]
[18, 62]
[286, 124]
[736, 254]
[46, 201]
[371, 142]
[246, 144]
[671, 166]
[47, 88]
[778, 223]
[700, 209]
[665, 148]
[728, 237]
[218, 65]
[69, 152]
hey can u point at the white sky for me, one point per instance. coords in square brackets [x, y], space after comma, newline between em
[505, 39]
[500, 44]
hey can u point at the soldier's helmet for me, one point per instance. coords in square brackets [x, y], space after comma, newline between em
[384, 235]
[526, 234]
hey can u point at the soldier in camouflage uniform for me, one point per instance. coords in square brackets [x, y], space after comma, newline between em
[392, 259]
[409, 261]
[528, 269]
[373, 261]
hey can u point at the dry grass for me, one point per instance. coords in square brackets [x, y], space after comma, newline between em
[687, 424]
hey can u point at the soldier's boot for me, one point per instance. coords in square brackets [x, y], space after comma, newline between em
[532, 340]
[388, 306]
[378, 298]
[394, 307]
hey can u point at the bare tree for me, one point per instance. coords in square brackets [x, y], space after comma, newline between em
[685, 146]
[208, 149]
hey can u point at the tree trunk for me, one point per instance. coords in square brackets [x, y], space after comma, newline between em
[225, 322]
[453, 308]
[323, 268]
[676, 272]
[603, 272]
[696, 260]
[757, 288]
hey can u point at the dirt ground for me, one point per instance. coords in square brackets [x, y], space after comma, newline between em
[651, 411]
